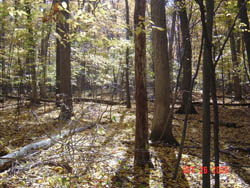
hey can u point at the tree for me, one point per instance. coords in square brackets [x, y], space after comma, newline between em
[162, 121]
[170, 47]
[30, 59]
[63, 55]
[236, 79]
[43, 56]
[186, 58]
[128, 34]
[207, 27]
[245, 27]
[2, 48]
[141, 130]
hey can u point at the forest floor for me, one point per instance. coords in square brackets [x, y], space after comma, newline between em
[103, 155]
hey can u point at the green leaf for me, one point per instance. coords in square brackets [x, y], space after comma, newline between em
[113, 118]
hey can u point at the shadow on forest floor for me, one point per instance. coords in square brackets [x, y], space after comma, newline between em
[234, 143]
[105, 153]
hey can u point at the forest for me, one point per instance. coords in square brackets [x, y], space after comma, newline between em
[124, 93]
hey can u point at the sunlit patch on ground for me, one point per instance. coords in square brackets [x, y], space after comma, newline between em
[103, 156]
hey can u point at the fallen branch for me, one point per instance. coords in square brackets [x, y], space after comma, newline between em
[226, 104]
[231, 148]
[6, 161]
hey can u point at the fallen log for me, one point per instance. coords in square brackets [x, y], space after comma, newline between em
[225, 124]
[6, 161]
[100, 101]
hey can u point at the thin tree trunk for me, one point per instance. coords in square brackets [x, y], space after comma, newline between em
[244, 60]
[128, 34]
[170, 47]
[245, 27]
[185, 124]
[223, 83]
[121, 87]
[44, 55]
[31, 55]
[216, 125]
[2, 48]
[236, 78]
[207, 26]
[186, 57]
[141, 132]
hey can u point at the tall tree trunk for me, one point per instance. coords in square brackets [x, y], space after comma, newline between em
[216, 124]
[58, 87]
[128, 34]
[186, 57]
[216, 115]
[31, 55]
[141, 130]
[44, 55]
[207, 27]
[207, 63]
[58, 82]
[236, 78]
[162, 121]
[170, 48]
[44, 52]
[245, 27]
[64, 69]
[2, 48]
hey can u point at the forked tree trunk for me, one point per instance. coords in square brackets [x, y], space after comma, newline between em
[141, 130]
[162, 121]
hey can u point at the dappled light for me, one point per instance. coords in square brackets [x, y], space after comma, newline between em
[124, 93]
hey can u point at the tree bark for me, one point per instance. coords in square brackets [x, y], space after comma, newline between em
[216, 124]
[31, 55]
[63, 50]
[170, 48]
[236, 78]
[2, 48]
[128, 34]
[44, 54]
[207, 27]
[162, 121]
[245, 27]
[186, 57]
[141, 132]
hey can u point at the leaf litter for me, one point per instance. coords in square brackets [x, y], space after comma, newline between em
[103, 156]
